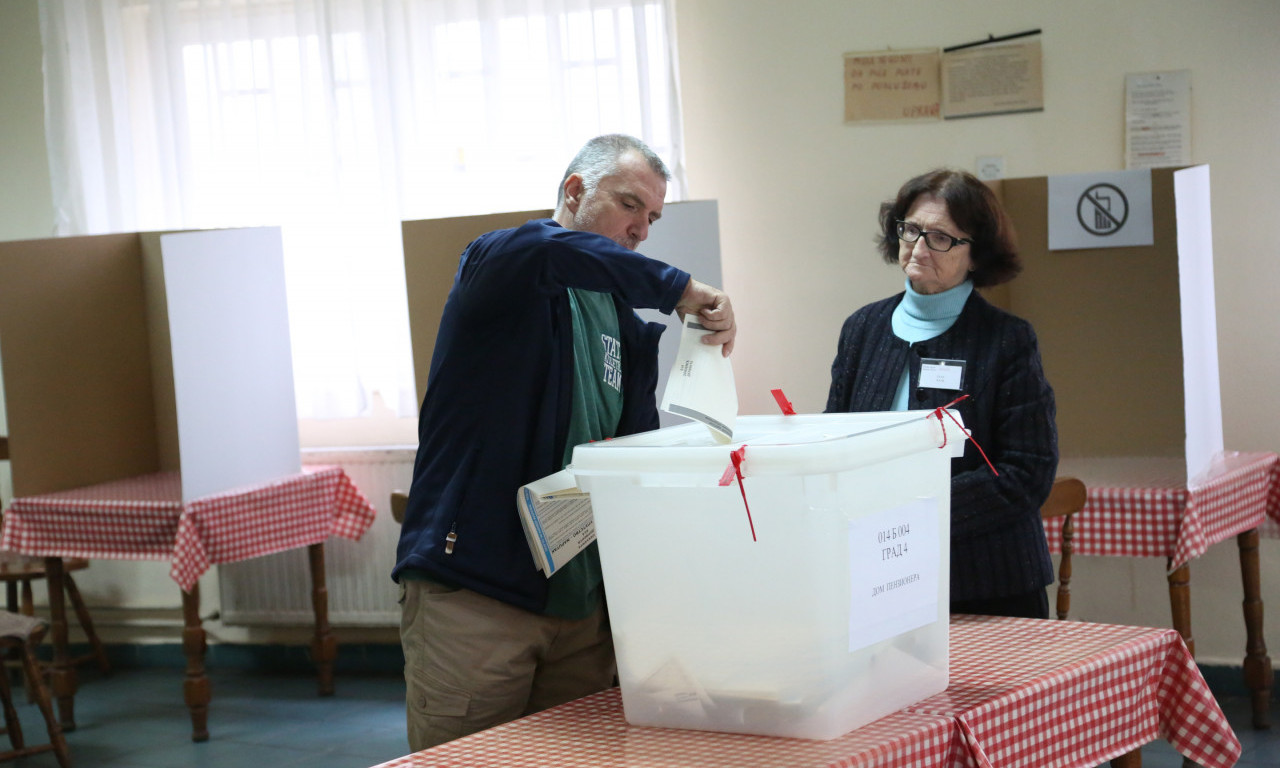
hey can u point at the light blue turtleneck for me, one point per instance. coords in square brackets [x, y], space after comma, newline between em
[922, 316]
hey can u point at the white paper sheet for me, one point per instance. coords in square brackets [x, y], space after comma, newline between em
[893, 571]
[701, 385]
[1157, 117]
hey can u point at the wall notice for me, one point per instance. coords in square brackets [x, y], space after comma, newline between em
[992, 79]
[891, 86]
[1157, 119]
[1100, 210]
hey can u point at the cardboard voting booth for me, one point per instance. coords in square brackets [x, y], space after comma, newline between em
[688, 236]
[812, 607]
[131, 354]
[1127, 332]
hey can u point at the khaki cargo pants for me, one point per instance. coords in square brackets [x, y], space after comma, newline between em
[472, 662]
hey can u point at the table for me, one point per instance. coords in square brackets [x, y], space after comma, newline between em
[1047, 692]
[1022, 692]
[1144, 507]
[144, 518]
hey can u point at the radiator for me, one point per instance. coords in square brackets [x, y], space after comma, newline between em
[276, 590]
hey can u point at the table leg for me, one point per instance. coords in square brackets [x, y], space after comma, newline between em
[1180, 604]
[1257, 665]
[1128, 760]
[196, 686]
[324, 646]
[62, 675]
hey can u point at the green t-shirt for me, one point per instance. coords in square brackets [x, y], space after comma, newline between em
[573, 592]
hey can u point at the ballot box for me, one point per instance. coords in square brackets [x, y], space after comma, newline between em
[805, 597]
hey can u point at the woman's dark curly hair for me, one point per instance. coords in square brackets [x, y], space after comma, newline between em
[974, 208]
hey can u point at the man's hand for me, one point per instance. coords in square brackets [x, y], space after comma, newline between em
[715, 311]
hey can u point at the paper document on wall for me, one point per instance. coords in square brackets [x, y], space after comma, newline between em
[701, 386]
[557, 520]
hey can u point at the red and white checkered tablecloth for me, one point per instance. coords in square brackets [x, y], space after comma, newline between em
[144, 518]
[1270, 527]
[592, 733]
[1066, 693]
[1022, 692]
[1143, 507]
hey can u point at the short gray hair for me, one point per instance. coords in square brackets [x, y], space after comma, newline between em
[599, 157]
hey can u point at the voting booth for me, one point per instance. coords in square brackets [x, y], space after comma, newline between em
[688, 237]
[805, 602]
[1127, 329]
[132, 354]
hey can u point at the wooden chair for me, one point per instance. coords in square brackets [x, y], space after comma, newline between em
[18, 571]
[21, 634]
[399, 500]
[1065, 500]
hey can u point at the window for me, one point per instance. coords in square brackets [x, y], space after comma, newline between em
[336, 120]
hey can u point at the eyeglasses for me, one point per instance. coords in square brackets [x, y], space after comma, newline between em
[909, 232]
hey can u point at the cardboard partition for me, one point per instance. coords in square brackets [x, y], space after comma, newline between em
[688, 237]
[1111, 324]
[76, 362]
[130, 354]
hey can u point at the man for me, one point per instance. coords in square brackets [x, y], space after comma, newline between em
[539, 349]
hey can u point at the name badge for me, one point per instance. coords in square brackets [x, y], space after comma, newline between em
[941, 374]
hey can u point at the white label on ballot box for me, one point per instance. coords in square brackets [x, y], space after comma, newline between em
[893, 567]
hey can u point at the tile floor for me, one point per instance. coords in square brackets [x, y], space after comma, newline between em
[135, 718]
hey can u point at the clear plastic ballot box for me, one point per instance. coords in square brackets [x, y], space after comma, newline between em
[815, 606]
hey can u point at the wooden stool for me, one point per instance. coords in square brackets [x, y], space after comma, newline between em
[20, 570]
[22, 634]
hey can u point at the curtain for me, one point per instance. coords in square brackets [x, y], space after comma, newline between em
[336, 120]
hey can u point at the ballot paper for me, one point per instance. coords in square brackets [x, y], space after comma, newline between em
[701, 386]
[557, 521]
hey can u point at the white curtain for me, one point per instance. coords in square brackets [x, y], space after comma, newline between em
[336, 120]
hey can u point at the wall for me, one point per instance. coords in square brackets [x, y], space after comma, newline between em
[799, 192]
[25, 207]
[25, 193]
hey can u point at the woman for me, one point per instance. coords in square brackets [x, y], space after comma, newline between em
[939, 340]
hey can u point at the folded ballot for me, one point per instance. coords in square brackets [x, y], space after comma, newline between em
[701, 386]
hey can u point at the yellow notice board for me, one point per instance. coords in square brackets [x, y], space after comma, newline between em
[891, 86]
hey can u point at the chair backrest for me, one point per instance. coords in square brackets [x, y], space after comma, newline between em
[399, 500]
[1065, 500]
